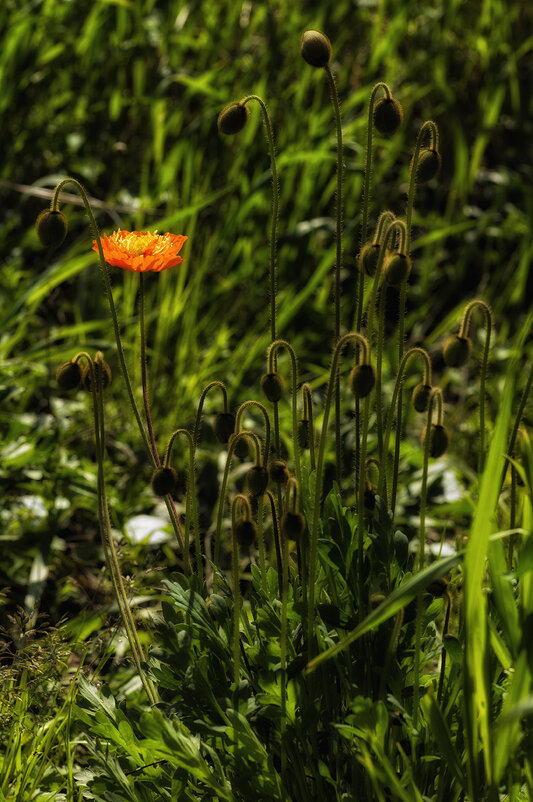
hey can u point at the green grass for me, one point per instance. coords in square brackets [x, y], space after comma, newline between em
[124, 96]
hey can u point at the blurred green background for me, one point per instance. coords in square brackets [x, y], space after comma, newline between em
[124, 96]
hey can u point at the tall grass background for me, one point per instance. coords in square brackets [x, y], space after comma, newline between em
[124, 96]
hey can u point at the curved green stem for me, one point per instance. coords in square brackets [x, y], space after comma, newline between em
[435, 397]
[463, 332]
[144, 377]
[395, 395]
[430, 128]
[222, 498]
[308, 415]
[205, 391]
[353, 337]
[271, 357]
[338, 259]
[191, 500]
[108, 543]
[261, 407]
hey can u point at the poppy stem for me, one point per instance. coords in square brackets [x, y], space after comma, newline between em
[144, 377]
[338, 260]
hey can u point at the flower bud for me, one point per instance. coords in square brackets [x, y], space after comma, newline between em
[257, 478]
[362, 379]
[428, 164]
[52, 227]
[164, 480]
[233, 118]
[304, 433]
[68, 375]
[273, 386]
[439, 440]
[387, 115]
[368, 259]
[245, 532]
[315, 48]
[397, 268]
[224, 426]
[241, 446]
[400, 543]
[420, 397]
[278, 471]
[102, 374]
[457, 350]
[293, 525]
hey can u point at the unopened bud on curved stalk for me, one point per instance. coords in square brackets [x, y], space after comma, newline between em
[387, 115]
[273, 385]
[362, 380]
[278, 471]
[164, 480]
[244, 527]
[428, 165]
[52, 228]
[439, 440]
[456, 351]
[233, 118]
[315, 48]
[420, 397]
[224, 426]
[68, 375]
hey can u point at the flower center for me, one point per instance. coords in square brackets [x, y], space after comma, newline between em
[136, 244]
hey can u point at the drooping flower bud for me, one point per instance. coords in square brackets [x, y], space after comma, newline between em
[420, 397]
[293, 525]
[387, 115]
[241, 446]
[102, 375]
[164, 480]
[224, 426]
[68, 375]
[233, 118]
[273, 386]
[401, 547]
[457, 350]
[362, 379]
[315, 48]
[245, 532]
[257, 478]
[52, 227]
[428, 165]
[278, 471]
[368, 259]
[396, 269]
[439, 440]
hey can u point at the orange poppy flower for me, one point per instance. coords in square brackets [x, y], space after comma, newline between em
[142, 251]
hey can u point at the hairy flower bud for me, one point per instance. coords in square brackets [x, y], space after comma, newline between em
[233, 118]
[439, 440]
[102, 374]
[368, 259]
[362, 379]
[293, 525]
[52, 227]
[273, 386]
[241, 446]
[164, 480]
[400, 543]
[315, 48]
[397, 268]
[224, 426]
[369, 496]
[387, 115]
[257, 478]
[420, 397]
[68, 375]
[278, 471]
[428, 165]
[457, 350]
[245, 532]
